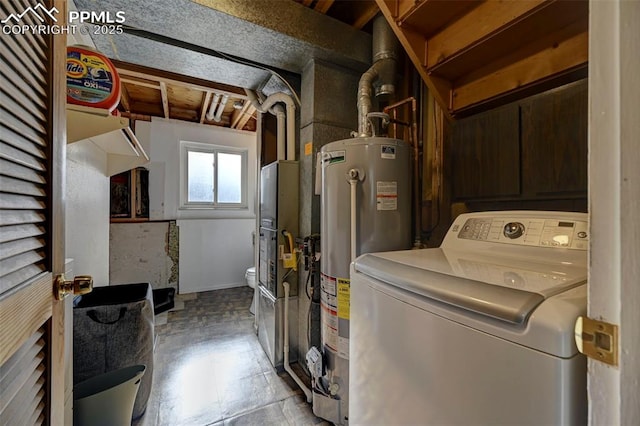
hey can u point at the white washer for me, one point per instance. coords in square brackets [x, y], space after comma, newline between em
[476, 332]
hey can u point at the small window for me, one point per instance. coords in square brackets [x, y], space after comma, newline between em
[214, 177]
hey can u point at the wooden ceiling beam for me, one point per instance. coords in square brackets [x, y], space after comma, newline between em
[246, 117]
[146, 108]
[130, 70]
[366, 15]
[552, 62]
[138, 81]
[483, 22]
[124, 97]
[237, 114]
[165, 99]
[430, 16]
[241, 117]
[184, 112]
[479, 55]
[323, 6]
[136, 117]
[205, 104]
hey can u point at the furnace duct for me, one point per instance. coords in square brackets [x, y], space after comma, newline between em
[286, 149]
[381, 76]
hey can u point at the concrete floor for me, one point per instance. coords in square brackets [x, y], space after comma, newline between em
[209, 368]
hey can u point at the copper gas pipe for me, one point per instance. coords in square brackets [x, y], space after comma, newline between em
[413, 141]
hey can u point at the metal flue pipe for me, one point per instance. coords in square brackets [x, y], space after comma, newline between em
[381, 74]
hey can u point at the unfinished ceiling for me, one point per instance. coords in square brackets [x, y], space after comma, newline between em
[174, 56]
[478, 54]
[150, 93]
[473, 55]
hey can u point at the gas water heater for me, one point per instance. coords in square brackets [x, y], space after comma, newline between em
[365, 207]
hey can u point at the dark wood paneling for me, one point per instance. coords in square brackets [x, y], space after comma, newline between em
[554, 142]
[485, 155]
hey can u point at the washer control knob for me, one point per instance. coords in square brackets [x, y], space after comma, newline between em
[513, 230]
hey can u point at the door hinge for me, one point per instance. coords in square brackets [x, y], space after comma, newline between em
[597, 339]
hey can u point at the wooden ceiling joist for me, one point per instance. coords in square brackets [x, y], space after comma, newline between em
[146, 108]
[369, 12]
[124, 98]
[165, 99]
[138, 81]
[241, 116]
[206, 99]
[185, 113]
[130, 70]
[133, 116]
[474, 55]
[323, 6]
[155, 94]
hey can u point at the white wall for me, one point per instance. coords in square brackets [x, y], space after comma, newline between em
[215, 246]
[614, 203]
[87, 203]
[163, 139]
[87, 211]
[214, 254]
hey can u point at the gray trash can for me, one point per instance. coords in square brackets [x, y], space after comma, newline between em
[113, 329]
[107, 399]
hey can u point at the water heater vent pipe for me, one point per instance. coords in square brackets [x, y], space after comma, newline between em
[382, 72]
[278, 111]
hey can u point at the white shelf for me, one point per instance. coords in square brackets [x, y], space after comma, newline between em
[85, 122]
[111, 134]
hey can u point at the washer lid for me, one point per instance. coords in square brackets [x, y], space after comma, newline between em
[508, 289]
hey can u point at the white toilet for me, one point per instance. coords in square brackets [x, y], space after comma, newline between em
[250, 277]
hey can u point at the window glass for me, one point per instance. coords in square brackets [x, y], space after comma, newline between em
[212, 177]
[200, 181]
[229, 178]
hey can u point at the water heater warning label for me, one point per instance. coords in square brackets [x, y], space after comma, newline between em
[387, 195]
[329, 306]
[344, 298]
[335, 304]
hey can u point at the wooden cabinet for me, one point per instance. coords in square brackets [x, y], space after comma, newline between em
[528, 150]
[130, 196]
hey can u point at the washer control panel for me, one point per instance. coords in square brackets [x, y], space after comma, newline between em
[560, 233]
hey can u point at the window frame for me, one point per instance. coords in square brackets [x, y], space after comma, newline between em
[185, 204]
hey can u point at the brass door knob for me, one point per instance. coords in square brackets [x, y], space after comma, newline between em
[82, 284]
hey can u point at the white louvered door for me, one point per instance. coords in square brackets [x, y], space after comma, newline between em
[34, 355]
